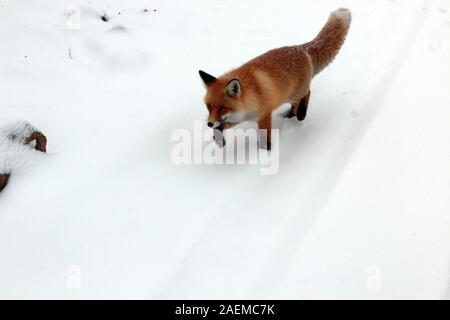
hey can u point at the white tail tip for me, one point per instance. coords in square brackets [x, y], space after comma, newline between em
[342, 13]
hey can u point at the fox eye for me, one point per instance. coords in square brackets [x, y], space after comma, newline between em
[208, 106]
[222, 109]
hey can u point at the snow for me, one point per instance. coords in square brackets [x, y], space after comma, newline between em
[358, 209]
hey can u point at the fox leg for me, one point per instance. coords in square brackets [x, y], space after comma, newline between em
[303, 107]
[265, 123]
[299, 108]
[218, 137]
[293, 111]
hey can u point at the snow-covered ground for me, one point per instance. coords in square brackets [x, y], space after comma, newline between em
[359, 208]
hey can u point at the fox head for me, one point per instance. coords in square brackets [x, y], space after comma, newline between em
[223, 100]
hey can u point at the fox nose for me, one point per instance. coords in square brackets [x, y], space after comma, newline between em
[210, 124]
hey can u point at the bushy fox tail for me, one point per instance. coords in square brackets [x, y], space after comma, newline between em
[326, 45]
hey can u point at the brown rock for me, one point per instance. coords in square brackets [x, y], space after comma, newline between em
[3, 180]
[41, 141]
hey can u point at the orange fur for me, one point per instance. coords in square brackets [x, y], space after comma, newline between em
[273, 78]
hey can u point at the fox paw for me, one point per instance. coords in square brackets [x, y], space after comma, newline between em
[289, 114]
[301, 115]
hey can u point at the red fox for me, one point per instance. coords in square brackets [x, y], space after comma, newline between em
[254, 90]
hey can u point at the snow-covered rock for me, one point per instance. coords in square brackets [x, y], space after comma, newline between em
[21, 145]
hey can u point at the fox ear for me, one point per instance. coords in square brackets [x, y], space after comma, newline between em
[233, 88]
[207, 78]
